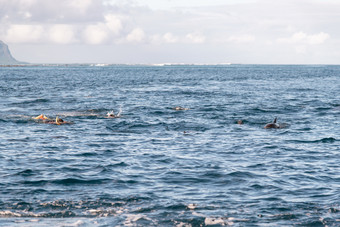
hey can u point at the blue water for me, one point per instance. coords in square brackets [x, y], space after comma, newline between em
[155, 166]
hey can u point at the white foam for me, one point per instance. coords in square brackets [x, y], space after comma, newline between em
[75, 224]
[101, 212]
[7, 213]
[197, 214]
[94, 212]
[77, 114]
[120, 112]
[34, 220]
[218, 221]
[134, 218]
[192, 206]
[181, 224]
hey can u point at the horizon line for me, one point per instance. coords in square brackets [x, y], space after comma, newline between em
[156, 64]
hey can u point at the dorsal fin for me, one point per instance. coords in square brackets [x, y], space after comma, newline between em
[275, 120]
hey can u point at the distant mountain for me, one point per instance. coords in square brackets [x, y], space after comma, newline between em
[6, 57]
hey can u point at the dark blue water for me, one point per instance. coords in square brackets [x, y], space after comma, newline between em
[155, 166]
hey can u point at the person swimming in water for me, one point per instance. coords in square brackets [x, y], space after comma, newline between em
[57, 121]
[113, 115]
[41, 117]
[180, 108]
[240, 122]
[46, 120]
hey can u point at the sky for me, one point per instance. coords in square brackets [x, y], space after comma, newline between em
[172, 31]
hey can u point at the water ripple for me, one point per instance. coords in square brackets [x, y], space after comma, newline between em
[158, 166]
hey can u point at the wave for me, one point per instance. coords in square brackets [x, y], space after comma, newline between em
[138, 211]
[75, 181]
[66, 182]
[323, 140]
[32, 101]
[25, 173]
[84, 113]
[136, 126]
[60, 214]
[100, 207]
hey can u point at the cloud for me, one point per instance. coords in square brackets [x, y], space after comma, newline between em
[136, 35]
[113, 23]
[18, 33]
[167, 38]
[301, 37]
[80, 5]
[318, 38]
[241, 39]
[96, 34]
[195, 38]
[62, 34]
[170, 38]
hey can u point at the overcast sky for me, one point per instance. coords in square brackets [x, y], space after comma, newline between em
[172, 31]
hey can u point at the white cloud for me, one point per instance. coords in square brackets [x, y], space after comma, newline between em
[301, 37]
[62, 34]
[170, 38]
[241, 39]
[318, 38]
[101, 32]
[164, 38]
[136, 35]
[113, 23]
[195, 38]
[26, 15]
[96, 34]
[18, 33]
[80, 5]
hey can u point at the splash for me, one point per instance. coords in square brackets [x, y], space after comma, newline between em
[113, 115]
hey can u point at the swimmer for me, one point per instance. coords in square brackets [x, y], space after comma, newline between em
[113, 115]
[41, 117]
[180, 108]
[240, 122]
[57, 121]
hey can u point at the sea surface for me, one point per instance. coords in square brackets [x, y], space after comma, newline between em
[157, 166]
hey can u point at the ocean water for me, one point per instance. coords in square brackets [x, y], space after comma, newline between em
[156, 166]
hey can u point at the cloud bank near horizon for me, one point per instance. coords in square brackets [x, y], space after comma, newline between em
[247, 31]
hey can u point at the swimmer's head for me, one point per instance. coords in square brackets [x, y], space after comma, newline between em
[111, 114]
[180, 108]
[58, 120]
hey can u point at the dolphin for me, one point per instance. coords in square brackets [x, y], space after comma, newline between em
[273, 124]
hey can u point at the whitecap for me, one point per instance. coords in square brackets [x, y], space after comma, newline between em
[132, 218]
[218, 221]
